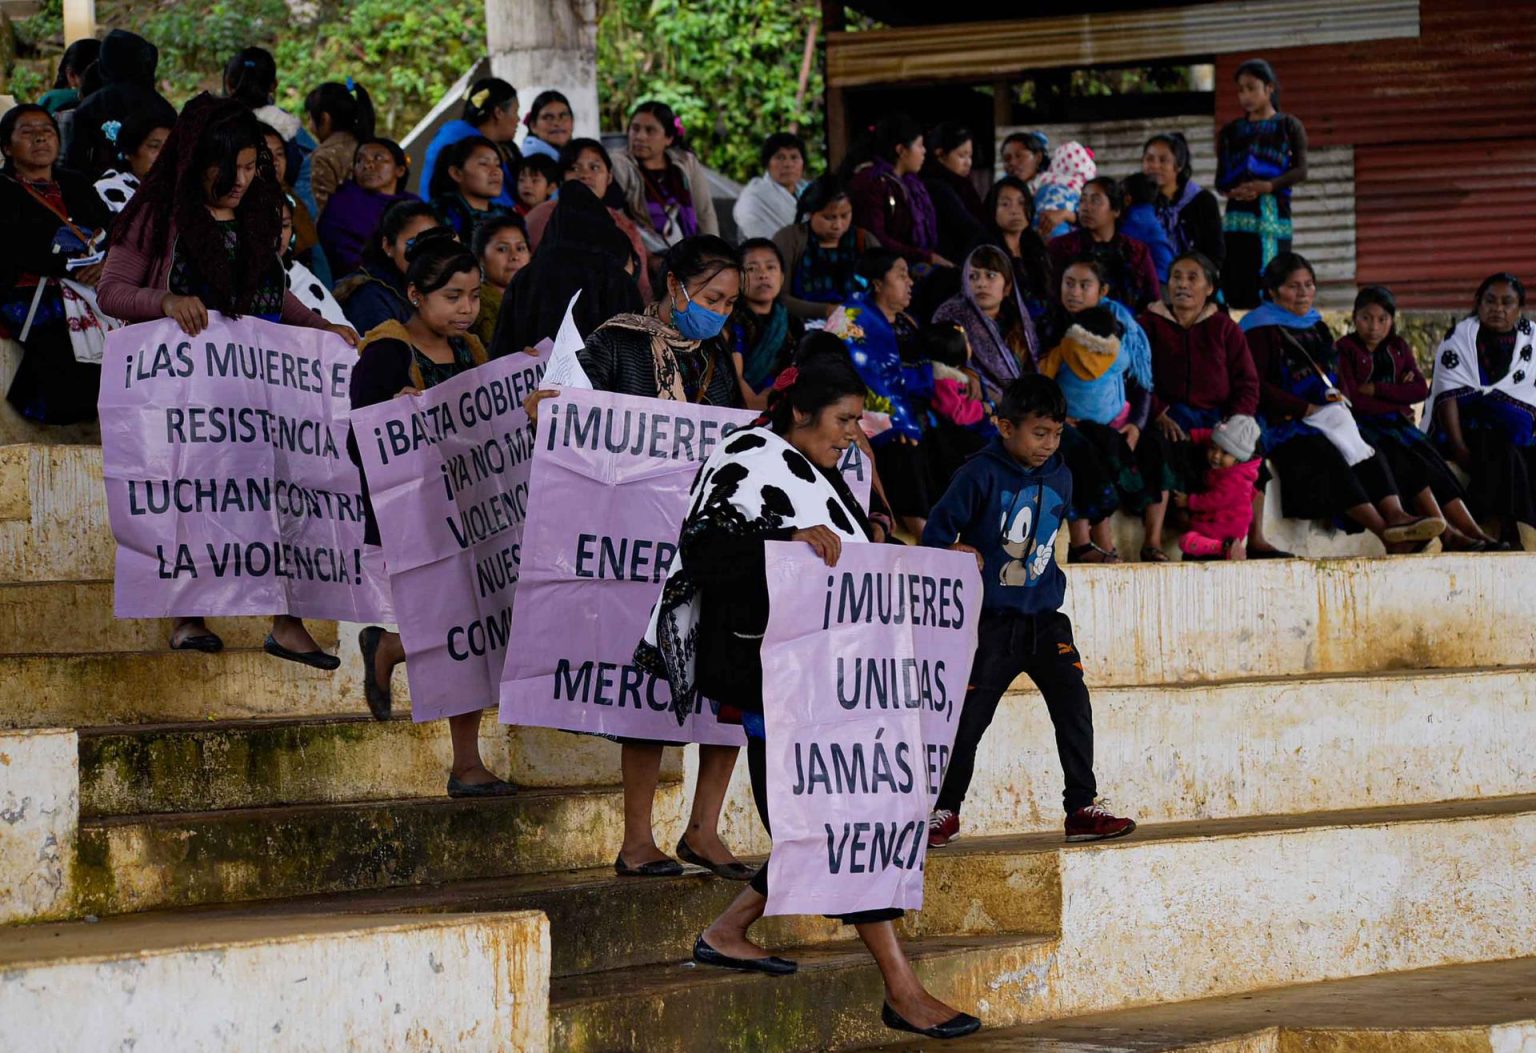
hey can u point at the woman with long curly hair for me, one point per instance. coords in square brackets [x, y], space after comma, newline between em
[202, 235]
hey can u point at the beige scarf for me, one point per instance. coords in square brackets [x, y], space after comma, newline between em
[666, 345]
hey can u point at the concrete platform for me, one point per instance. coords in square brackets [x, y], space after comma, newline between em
[139, 863]
[385, 984]
[1488, 1007]
[55, 526]
[75, 617]
[39, 816]
[214, 765]
[1268, 747]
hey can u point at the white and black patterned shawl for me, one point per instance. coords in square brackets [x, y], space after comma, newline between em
[754, 484]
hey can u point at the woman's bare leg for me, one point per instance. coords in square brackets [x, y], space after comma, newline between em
[640, 763]
[903, 990]
[715, 766]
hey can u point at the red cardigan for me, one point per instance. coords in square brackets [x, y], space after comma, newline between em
[133, 283]
[1207, 365]
[1396, 397]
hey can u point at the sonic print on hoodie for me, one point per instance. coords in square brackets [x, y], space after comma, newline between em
[1012, 515]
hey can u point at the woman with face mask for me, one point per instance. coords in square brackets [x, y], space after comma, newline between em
[675, 351]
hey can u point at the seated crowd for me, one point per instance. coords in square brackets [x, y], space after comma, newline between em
[1173, 355]
[1118, 288]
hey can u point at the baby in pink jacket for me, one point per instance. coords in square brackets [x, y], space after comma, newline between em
[1220, 515]
[946, 347]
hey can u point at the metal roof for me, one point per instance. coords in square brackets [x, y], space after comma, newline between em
[982, 51]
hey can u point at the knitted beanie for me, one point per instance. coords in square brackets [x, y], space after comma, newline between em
[1237, 435]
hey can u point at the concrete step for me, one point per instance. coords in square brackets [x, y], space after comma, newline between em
[833, 1002]
[87, 690]
[300, 983]
[1275, 901]
[75, 617]
[214, 765]
[53, 522]
[1267, 747]
[137, 863]
[1489, 1006]
[1149, 623]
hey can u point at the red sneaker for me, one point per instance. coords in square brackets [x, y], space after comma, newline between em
[1093, 823]
[943, 827]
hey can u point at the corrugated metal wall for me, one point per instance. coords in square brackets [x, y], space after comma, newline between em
[1445, 171]
[1323, 207]
[1433, 222]
[1471, 74]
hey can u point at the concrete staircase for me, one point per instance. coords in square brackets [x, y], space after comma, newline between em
[1333, 763]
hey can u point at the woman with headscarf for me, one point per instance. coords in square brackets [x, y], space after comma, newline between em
[50, 215]
[1259, 158]
[1326, 469]
[1025, 156]
[997, 323]
[1188, 212]
[581, 249]
[1482, 406]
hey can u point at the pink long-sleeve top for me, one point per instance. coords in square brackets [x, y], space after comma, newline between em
[134, 283]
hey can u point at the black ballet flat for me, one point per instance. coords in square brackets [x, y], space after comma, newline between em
[495, 788]
[207, 643]
[313, 659]
[731, 871]
[655, 868]
[380, 699]
[704, 954]
[957, 1026]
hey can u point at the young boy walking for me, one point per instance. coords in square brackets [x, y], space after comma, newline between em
[1006, 506]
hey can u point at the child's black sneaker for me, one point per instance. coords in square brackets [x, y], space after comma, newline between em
[943, 827]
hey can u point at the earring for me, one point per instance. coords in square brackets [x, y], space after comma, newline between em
[415, 302]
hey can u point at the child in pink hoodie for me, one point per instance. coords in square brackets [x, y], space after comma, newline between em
[946, 347]
[1220, 514]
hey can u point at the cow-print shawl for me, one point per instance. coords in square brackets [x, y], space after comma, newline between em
[754, 484]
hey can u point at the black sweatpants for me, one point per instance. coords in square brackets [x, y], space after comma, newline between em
[1041, 646]
[757, 767]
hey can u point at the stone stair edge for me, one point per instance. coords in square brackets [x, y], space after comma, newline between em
[123, 935]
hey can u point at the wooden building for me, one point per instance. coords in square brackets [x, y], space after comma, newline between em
[1423, 174]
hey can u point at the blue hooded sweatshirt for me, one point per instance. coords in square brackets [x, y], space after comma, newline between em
[446, 136]
[1011, 514]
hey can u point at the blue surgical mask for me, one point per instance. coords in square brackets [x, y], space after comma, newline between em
[697, 322]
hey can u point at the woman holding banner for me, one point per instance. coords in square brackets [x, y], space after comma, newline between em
[671, 351]
[202, 235]
[773, 483]
[433, 346]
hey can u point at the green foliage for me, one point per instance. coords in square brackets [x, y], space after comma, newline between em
[729, 68]
[405, 55]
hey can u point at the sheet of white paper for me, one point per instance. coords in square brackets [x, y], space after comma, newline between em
[564, 370]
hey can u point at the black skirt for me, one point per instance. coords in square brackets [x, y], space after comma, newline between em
[1415, 463]
[905, 474]
[1503, 479]
[1315, 483]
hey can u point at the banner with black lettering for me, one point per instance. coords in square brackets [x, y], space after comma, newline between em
[865, 667]
[228, 483]
[448, 475]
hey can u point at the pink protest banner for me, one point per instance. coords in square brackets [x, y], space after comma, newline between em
[228, 483]
[606, 499]
[448, 474]
[865, 668]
